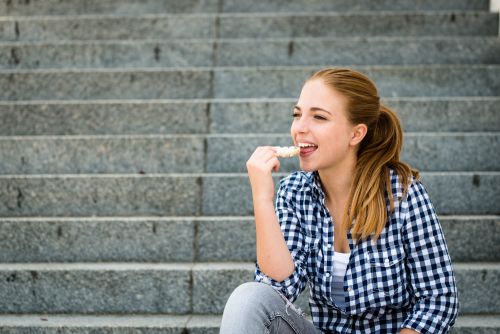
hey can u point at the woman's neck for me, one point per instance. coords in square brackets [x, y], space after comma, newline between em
[337, 181]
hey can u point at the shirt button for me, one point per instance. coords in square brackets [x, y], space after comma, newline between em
[349, 289]
[329, 246]
[387, 261]
[327, 275]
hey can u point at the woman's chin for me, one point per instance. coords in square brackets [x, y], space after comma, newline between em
[307, 167]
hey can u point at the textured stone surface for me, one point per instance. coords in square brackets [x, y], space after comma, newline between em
[363, 24]
[65, 28]
[392, 81]
[203, 239]
[224, 194]
[96, 75]
[108, 324]
[213, 283]
[294, 52]
[286, 82]
[170, 324]
[95, 288]
[117, 154]
[226, 239]
[462, 235]
[239, 117]
[96, 240]
[477, 283]
[420, 114]
[105, 84]
[74, 118]
[352, 51]
[424, 151]
[252, 116]
[98, 54]
[350, 5]
[460, 114]
[249, 26]
[129, 7]
[122, 7]
[464, 193]
[450, 192]
[109, 195]
[452, 152]
[229, 154]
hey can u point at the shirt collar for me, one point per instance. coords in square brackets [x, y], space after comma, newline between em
[314, 183]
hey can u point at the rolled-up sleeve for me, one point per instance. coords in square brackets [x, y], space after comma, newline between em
[292, 286]
[431, 273]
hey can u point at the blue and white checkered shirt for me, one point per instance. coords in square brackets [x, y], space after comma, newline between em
[405, 279]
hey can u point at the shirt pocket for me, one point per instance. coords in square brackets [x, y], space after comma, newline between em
[388, 277]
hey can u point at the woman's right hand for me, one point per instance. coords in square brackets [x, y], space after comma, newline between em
[260, 167]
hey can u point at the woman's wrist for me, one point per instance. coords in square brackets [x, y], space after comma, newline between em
[263, 200]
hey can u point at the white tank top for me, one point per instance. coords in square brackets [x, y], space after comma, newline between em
[340, 262]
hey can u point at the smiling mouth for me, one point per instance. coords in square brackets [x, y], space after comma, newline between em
[307, 148]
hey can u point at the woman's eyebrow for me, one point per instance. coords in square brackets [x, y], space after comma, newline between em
[314, 109]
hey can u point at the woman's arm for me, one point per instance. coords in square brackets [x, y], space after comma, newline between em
[408, 331]
[273, 256]
[429, 264]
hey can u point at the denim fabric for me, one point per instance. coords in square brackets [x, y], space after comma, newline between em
[256, 308]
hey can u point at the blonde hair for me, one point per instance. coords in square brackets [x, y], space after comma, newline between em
[378, 152]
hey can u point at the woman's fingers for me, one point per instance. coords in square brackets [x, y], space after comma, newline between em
[263, 153]
[277, 165]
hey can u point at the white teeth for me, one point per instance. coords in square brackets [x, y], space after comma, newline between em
[306, 145]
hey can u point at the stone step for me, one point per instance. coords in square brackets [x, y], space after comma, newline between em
[172, 324]
[265, 52]
[417, 115]
[470, 151]
[424, 151]
[349, 5]
[453, 193]
[79, 117]
[103, 154]
[261, 25]
[259, 82]
[200, 288]
[394, 81]
[188, 239]
[131, 7]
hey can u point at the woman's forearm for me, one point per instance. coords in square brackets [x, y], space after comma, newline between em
[273, 256]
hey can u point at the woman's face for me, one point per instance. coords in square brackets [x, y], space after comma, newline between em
[321, 128]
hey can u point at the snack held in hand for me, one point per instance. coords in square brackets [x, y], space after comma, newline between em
[287, 152]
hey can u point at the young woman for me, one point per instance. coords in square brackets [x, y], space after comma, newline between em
[355, 224]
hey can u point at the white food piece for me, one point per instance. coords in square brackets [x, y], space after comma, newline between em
[287, 152]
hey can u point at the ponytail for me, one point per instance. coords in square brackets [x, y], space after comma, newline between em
[378, 152]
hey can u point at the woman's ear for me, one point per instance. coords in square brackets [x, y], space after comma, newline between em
[358, 133]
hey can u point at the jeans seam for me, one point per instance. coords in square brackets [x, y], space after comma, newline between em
[288, 321]
[288, 304]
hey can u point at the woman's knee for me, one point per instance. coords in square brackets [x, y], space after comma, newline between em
[251, 295]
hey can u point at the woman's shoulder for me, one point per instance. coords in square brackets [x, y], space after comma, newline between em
[414, 189]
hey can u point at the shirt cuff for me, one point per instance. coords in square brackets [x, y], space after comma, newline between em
[288, 287]
[425, 324]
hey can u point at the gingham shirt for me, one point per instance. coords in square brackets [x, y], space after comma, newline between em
[405, 279]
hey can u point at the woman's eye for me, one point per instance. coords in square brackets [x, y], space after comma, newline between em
[321, 118]
[295, 115]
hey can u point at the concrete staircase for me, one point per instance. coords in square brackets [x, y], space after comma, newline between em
[125, 127]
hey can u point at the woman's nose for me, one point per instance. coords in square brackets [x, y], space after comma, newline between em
[301, 125]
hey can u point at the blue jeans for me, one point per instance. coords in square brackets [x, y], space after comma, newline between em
[256, 308]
